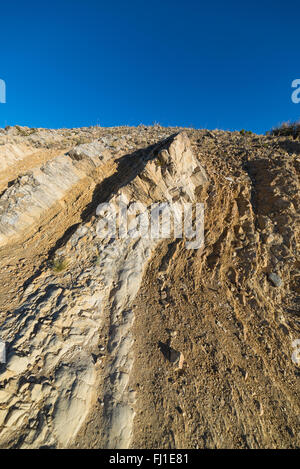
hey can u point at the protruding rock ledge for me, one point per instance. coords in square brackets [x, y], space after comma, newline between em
[55, 331]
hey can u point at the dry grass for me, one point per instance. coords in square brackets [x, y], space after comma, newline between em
[287, 129]
[59, 264]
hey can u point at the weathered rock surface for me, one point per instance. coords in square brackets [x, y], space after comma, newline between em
[138, 341]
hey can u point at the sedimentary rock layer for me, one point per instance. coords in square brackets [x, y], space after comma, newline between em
[137, 341]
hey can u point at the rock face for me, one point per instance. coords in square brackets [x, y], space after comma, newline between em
[127, 339]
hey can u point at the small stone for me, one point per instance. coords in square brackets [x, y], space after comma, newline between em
[275, 279]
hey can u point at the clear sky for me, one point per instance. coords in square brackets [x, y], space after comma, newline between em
[213, 64]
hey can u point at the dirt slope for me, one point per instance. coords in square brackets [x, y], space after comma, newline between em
[142, 342]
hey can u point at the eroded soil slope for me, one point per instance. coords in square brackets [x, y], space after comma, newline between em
[142, 342]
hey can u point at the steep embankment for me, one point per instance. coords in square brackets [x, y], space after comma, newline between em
[141, 342]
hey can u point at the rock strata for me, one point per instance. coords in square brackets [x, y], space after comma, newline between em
[140, 341]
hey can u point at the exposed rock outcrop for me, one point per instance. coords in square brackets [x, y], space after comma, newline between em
[139, 341]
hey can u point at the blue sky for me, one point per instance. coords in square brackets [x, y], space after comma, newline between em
[217, 64]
